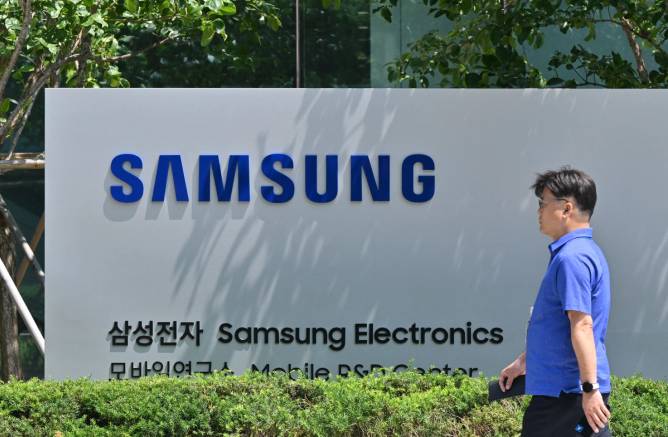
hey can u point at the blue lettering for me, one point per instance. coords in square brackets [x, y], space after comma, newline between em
[380, 192]
[427, 181]
[209, 163]
[164, 164]
[136, 187]
[331, 179]
[286, 184]
[282, 188]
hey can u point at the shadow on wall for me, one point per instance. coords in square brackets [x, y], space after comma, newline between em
[476, 242]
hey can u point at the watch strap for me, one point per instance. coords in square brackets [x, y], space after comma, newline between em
[594, 386]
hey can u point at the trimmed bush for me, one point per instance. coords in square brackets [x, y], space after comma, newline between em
[256, 404]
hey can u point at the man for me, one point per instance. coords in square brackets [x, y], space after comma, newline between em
[565, 362]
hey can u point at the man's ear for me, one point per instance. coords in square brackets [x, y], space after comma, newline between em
[568, 208]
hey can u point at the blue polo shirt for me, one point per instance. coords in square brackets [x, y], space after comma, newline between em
[577, 278]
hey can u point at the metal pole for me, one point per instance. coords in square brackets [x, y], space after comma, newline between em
[21, 164]
[298, 80]
[4, 209]
[22, 307]
[23, 267]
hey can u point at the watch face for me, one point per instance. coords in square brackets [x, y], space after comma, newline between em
[587, 387]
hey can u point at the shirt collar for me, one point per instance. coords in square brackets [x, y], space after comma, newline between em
[578, 233]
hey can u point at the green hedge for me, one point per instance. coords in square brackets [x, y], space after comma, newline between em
[255, 404]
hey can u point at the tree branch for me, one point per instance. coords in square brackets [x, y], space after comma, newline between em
[16, 135]
[22, 110]
[40, 79]
[629, 27]
[637, 52]
[81, 63]
[139, 52]
[575, 70]
[590, 83]
[20, 41]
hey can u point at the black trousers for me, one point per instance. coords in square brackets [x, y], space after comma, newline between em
[547, 416]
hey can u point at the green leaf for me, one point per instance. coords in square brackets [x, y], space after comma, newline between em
[386, 13]
[453, 49]
[273, 22]
[392, 74]
[19, 72]
[504, 54]
[131, 6]
[52, 48]
[522, 34]
[166, 5]
[222, 7]
[555, 62]
[228, 8]
[591, 34]
[538, 41]
[13, 24]
[114, 77]
[219, 25]
[208, 30]
[99, 20]
[661, 58]
[113, 71]
[82, 11]
[555, 81]
[4, 106]
[54, 9]
[490, 61]
[70, 73]
[335, 4]
[472, 80]
[95, 18]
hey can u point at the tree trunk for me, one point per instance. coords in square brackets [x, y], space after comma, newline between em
[9, 328]
[627, 26]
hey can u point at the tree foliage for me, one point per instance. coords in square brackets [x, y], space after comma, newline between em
[490, 39]
[334, 44]
[80, 43]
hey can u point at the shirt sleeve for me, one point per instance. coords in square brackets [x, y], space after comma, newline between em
[574, 284]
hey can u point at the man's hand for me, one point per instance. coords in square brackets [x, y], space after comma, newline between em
[595, 410]
[512, 371]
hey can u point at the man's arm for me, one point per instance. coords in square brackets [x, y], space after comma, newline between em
[582, 337]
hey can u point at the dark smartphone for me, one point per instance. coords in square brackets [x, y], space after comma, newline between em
[517, 389]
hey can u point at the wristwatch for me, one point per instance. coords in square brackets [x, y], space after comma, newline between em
[588, 387]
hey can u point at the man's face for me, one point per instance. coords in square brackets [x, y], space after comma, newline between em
[550, 214]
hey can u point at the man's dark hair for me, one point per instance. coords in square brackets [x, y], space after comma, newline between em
[567, 182]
